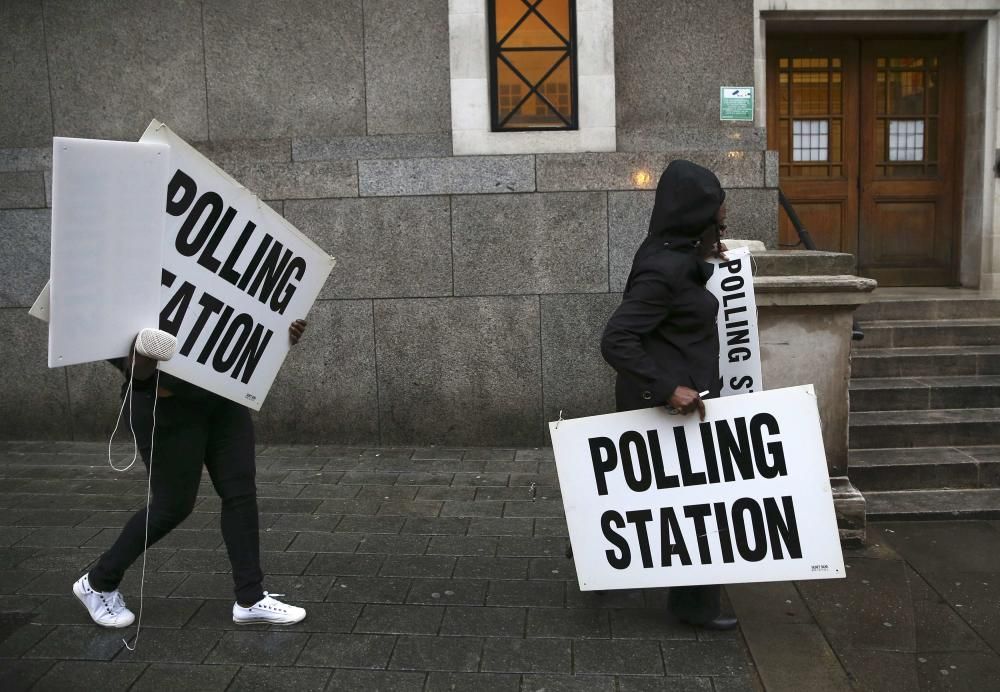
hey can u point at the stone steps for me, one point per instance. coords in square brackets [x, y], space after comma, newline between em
[940, 361]
[925, 468]
[930, 428]
[929, 309]
[925, 405]
[934, 504]
[979, 331]
[922, 393]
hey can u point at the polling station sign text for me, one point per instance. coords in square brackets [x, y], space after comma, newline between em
[654, 499]
[739, 346]
[235, 275]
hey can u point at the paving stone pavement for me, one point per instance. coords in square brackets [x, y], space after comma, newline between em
[919, 611]
[421, 569]
[445, 569]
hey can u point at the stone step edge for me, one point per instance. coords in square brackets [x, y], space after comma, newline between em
[923, 413]
[918, 351]
[926, 382]
[891, 457]
[935, 299]
[934, 322]
[949, 508]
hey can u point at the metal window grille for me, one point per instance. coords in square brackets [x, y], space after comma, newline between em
[907, 112]
[811, 112]
[810, 140]
[508, 96]
[533, 76]
[906, 140]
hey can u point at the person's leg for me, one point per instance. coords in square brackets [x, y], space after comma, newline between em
[231, 465]
[696, 605]
[177, 459]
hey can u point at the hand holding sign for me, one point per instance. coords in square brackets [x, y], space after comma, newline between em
[685, 400]
[296, 330]
[652, 500]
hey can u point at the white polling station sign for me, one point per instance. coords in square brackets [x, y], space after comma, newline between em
[107, 229]
[739, 346]
[235, 275]
[654, 499]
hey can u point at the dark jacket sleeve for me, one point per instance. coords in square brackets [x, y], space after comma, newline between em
[643, 308]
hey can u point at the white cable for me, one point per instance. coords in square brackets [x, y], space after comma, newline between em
[149, 497]
[129, 392]
[135, 444]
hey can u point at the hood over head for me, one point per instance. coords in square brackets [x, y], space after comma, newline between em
[688, 197]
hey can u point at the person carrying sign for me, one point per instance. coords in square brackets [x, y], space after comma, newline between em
[662, 340]
[193, 428]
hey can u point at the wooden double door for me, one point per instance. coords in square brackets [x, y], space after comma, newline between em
[869, 140]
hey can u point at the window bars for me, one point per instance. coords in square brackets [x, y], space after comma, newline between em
[533, 76]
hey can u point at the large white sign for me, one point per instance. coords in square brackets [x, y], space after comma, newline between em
[739, 346]
[654, 499]
[107, 229]
[235, 276]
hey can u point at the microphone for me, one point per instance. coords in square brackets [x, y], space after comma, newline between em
[155, 344]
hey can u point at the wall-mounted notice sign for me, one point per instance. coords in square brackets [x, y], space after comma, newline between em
[736, 103]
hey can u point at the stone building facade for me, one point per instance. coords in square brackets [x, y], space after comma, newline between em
[475, 272]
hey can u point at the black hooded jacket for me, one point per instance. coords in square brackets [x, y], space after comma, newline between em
[664, 332]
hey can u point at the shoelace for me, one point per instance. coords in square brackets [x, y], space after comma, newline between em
[117, 602]
[270, 596]
[266, 596]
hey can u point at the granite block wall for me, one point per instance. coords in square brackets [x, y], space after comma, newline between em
[670, 60]
[470, 291]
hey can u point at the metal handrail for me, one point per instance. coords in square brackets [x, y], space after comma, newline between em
[857, 334]
[804, 237]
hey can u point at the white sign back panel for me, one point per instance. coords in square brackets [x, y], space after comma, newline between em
[654, 499]
[107, 230]
[235, 276]
[739, 345]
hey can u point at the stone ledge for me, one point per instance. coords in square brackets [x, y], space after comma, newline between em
[803, 263]
[22, 190]
[813, 290]
[462, 175]
[641, 171]
[26, 159]
[723, 137]
[307, 180]
[235, 152]
[373, 147]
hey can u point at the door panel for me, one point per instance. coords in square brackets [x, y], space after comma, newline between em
[866, 131]
[812, 109]
[908, 116]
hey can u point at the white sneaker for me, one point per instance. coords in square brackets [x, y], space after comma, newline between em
[107, 609]
[268, 610]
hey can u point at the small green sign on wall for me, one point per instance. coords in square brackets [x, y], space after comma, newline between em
[735, 103]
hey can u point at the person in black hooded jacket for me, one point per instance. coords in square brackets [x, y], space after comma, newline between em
[663, 340]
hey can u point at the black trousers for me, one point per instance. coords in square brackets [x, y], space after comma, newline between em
[192, 432]
[695, 604]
